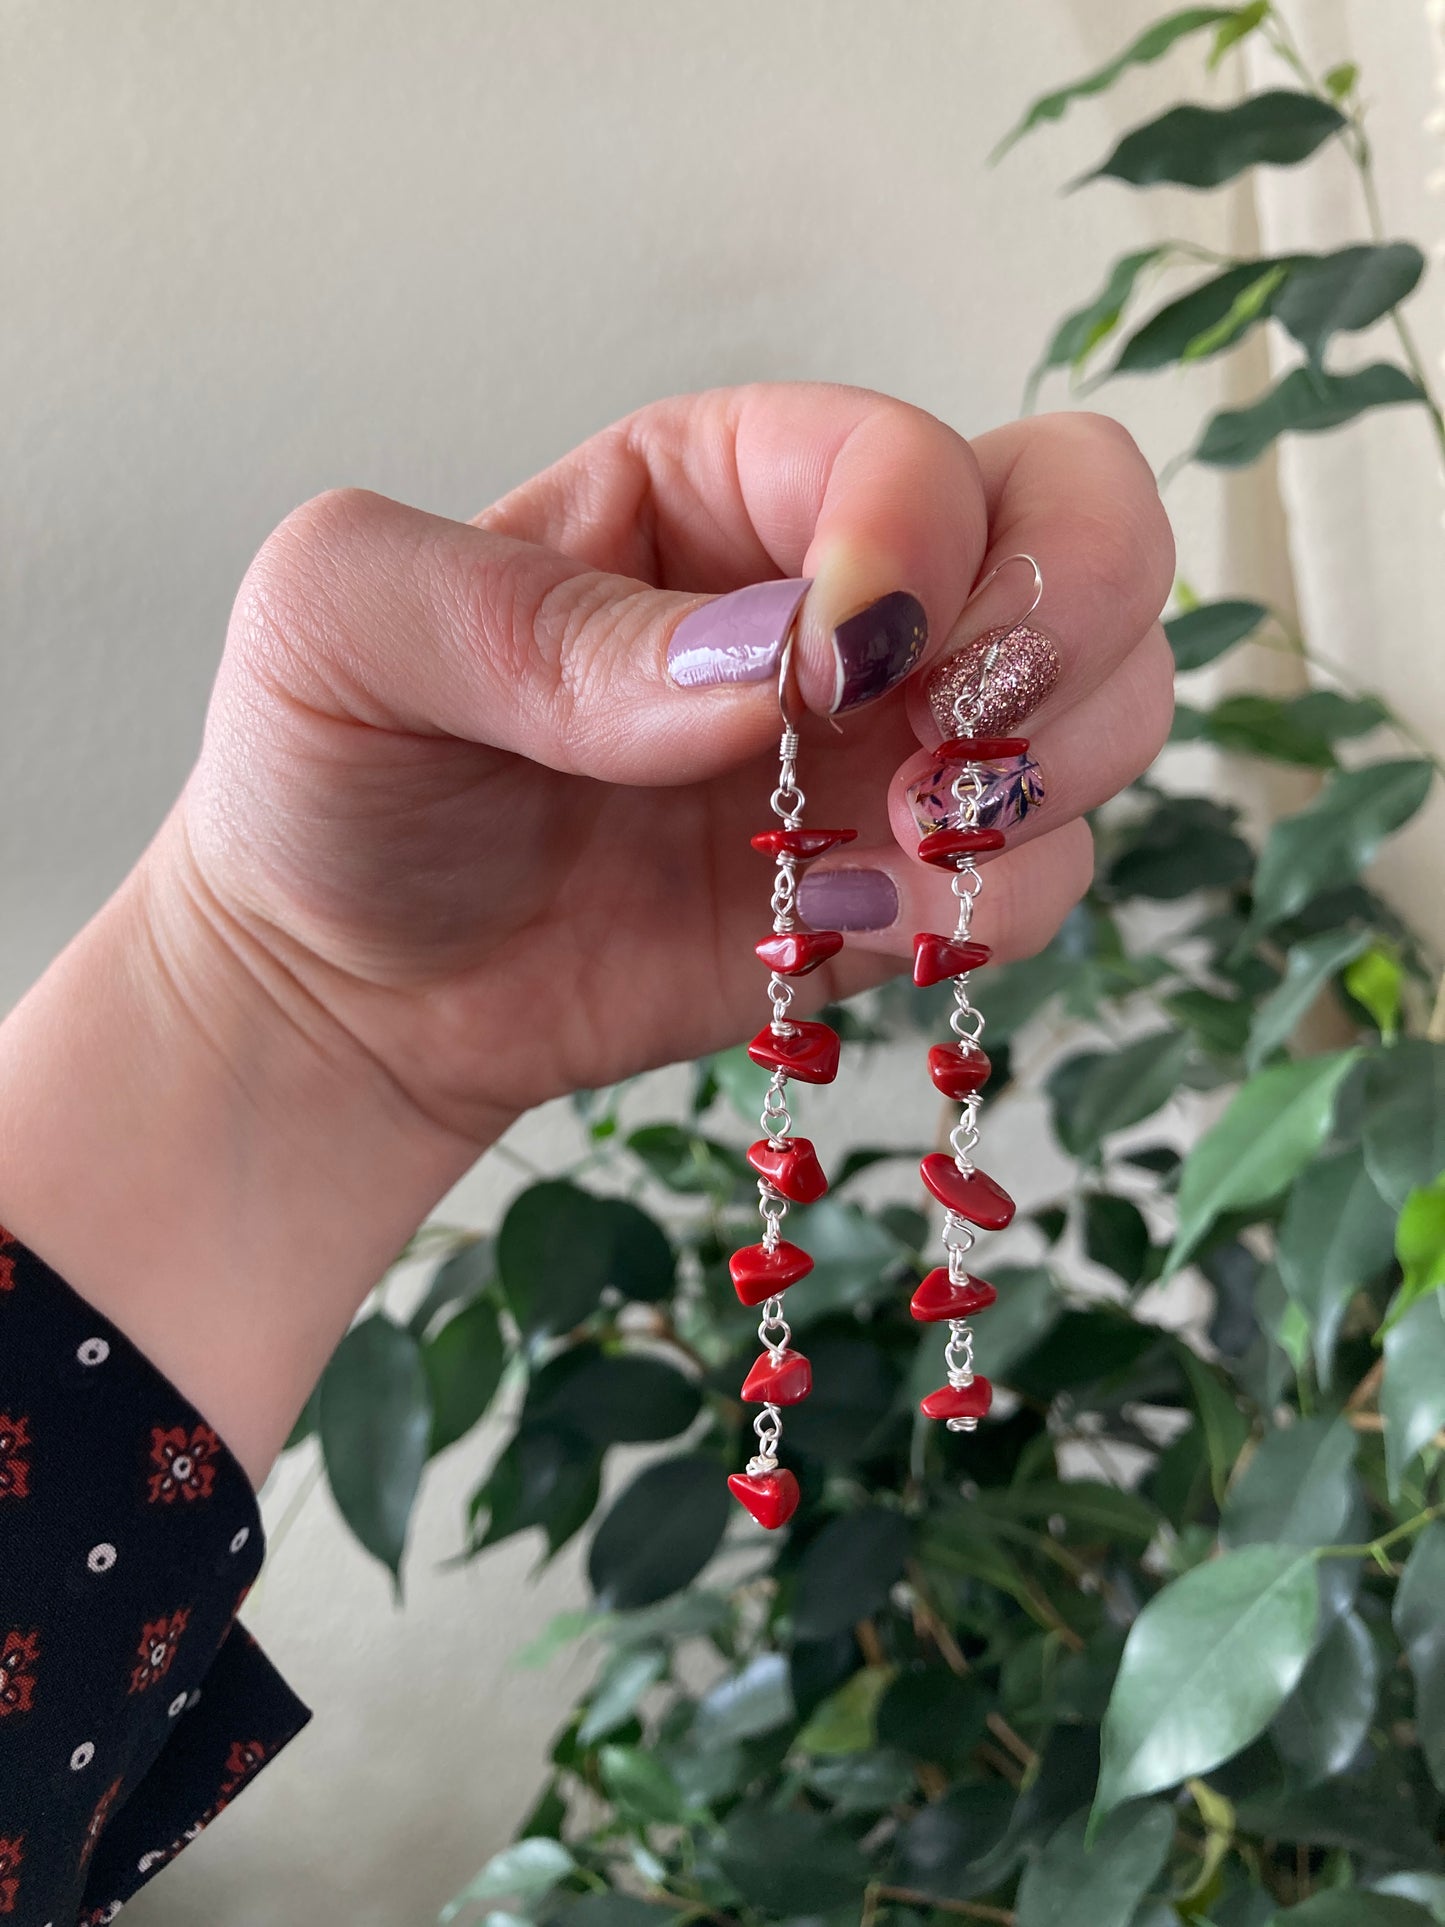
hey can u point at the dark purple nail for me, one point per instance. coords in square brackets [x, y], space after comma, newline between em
[736, 638]
[1013, 789]
[877, 647]
[848, 899]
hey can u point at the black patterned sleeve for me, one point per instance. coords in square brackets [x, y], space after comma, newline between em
[133, 1708]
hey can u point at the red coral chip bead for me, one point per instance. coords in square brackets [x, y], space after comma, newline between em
[937, 1298]
[784, 1380]
[951, 849]
[793, 953]
[771, 1497]
[758, 1273]
[790, 1165]
[959, 1073]
[959, 1401]
[981, 749]
[972, 1194]
[802, 844]
[935, 958]
[808, 1052]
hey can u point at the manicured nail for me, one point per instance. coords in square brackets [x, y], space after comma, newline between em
[1014, 789]
[735, 638]
[876, 648]
[1024, 671]
[848, 899]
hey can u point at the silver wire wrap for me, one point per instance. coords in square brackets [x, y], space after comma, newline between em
[966, 1023]
[777, 1120]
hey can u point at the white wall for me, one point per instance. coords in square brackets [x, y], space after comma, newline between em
[258, 250]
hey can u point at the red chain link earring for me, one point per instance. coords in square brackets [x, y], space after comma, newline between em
[787, 1166]
[971, 1200]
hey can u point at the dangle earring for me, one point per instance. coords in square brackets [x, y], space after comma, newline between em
[787, 1167]
[971, 1200]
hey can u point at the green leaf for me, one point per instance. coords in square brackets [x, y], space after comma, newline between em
[626, 1678]
[931, 1714]
[790, 1862]
[1103, 1883]
[1301, 730]
[1192, 146]
[1299, 1488]
[853, 1259]
[1339, 293]
[1210, 316]
[560, 1248]
[1341, 80]
[640, 1786]
[1309, 966]
[1377, 980]
[1420, 1628]
[687, 1162]
[1028, 1308]
[846, 1722]
[1405, 1119]
[612, 1399]
[467, 1272]
[862, 1782]
[1097, 1093]
[546, 1475]
[1335, 1238]
[1306, 401]
[742, 1082]
[1207, 1665]
[1116, 1236]
[953, 1846]
[757, 1700]
[1353, 1908]
[375, 1423]
[1202, 634]
[523, 1871]
[659, 1533]
[1323, 1724]
[855, 1392]
[1420, 1247]
[1273, 1127]
[1079, 333]
[1412, 1398]
[463, 1365]
[1223, 1424]
[848, 1570]
[1076, 1511]
[1233, 31]
[1186, 843]
[1151, 45]
[1220, 1024]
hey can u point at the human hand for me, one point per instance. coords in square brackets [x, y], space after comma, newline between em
[456, 841]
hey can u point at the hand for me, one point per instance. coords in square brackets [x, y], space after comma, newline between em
[456, 842]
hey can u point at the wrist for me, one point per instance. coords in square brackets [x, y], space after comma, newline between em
[201, 1149]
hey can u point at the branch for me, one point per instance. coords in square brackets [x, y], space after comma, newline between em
[965, 1909]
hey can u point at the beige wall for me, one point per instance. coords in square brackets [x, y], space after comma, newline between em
[253, 251]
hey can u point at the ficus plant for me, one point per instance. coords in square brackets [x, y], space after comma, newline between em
[1164, 1641]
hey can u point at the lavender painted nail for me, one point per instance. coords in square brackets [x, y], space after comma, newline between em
[877, 647]
[848, 899]
[736, 638]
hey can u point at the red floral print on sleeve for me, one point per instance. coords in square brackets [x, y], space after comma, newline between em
[11, 1856]
[185, 1463]
[158, 1641]
[18, 1655]
[15, 1439]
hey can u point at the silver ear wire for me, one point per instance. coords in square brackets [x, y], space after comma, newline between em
[998, 569]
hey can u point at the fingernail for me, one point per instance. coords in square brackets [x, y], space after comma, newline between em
[877, 647]
[1014, 789]
[1024, 671]
[736, 638]
[848, 899]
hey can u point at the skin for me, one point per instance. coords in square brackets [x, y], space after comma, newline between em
[454, 844]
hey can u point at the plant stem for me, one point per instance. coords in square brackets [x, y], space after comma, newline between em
[1376, 1547]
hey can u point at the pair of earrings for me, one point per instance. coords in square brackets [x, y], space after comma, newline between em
[807, 1052]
